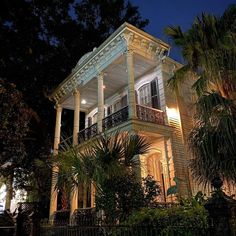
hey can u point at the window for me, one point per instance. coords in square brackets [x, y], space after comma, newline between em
[149, 94]
[145, 95]
[117, 106]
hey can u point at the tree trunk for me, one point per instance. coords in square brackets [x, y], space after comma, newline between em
[9, 192]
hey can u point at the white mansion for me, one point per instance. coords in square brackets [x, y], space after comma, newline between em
[122, 85]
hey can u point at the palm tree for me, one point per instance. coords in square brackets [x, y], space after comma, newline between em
[209, 50]
[213, 139]
[109, 156]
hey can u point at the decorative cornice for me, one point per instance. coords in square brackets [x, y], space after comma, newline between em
[126, 37]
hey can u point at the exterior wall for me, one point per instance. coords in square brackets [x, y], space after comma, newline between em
[162, 168]
[180, 122]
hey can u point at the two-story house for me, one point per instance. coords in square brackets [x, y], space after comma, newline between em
[122, 85]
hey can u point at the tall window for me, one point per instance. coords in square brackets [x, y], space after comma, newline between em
[145, 95]
[149, 94]
[117, 106]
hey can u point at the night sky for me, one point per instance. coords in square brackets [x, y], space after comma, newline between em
[162, 13]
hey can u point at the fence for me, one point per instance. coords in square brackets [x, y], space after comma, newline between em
[69, 230]
[7, 230]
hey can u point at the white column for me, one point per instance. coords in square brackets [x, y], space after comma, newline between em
[100, 102]
[74, 192]
[131, 88]
[53, 199]
[76, 116]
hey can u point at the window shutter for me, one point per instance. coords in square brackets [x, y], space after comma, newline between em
[136, 96]
[124, 101]
[109, 110]
[89, 121]
[155, 94]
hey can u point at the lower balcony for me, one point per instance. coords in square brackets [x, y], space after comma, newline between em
[88, 133]
[146, 114]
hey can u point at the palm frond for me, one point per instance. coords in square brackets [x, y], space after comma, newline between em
[213, 139]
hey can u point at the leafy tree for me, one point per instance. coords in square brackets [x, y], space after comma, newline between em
[14, 128]
[209, 49]
[40, 42]
[110, 162]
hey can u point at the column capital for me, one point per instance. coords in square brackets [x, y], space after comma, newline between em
[101, 74]
[58, 107]
[76, 91]
[129, 51]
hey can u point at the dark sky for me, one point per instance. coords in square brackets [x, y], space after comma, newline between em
[162, 13]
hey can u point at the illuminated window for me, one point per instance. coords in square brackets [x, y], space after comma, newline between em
[145, 95]
[149, 94]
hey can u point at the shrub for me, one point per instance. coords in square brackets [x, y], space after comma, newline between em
[119, 197]
[186, 219]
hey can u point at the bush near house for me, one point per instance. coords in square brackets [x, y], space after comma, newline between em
[187, 218]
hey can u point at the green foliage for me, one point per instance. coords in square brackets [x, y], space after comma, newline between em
[213, 139]
[186, 218]
[40, 43]
[14, 127]
[119, 197]
[110, 162]
[151, 189]
[209, 49]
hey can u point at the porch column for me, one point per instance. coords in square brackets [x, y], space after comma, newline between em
[167, 166]
[131, 89]
[53, 199]
[100, 101]
[74, 192]
[76, 117]
[92, 195]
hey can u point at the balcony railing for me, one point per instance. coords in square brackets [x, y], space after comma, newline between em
[115, 118]
[88, 133]
[143, 113]
[150, 114]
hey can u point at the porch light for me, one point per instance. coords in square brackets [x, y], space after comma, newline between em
[104, 86]
[172, 113]
[83, 101]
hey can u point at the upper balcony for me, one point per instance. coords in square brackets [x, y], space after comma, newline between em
[116, 121]
[127, 65]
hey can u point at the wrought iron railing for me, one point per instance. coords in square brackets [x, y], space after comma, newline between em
[122, 230]
[150, 114]
[88, 133]
[115, 118]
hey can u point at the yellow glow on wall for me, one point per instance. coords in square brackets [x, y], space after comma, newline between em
[172, 113]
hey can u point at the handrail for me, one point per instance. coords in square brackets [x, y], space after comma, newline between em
[115, 118]
[150, 108]
[150, 114]
[87, 133]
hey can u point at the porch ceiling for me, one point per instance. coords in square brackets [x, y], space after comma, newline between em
[115, 79]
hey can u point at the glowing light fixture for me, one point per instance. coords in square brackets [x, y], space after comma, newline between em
[83, 101]
[104, 86]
